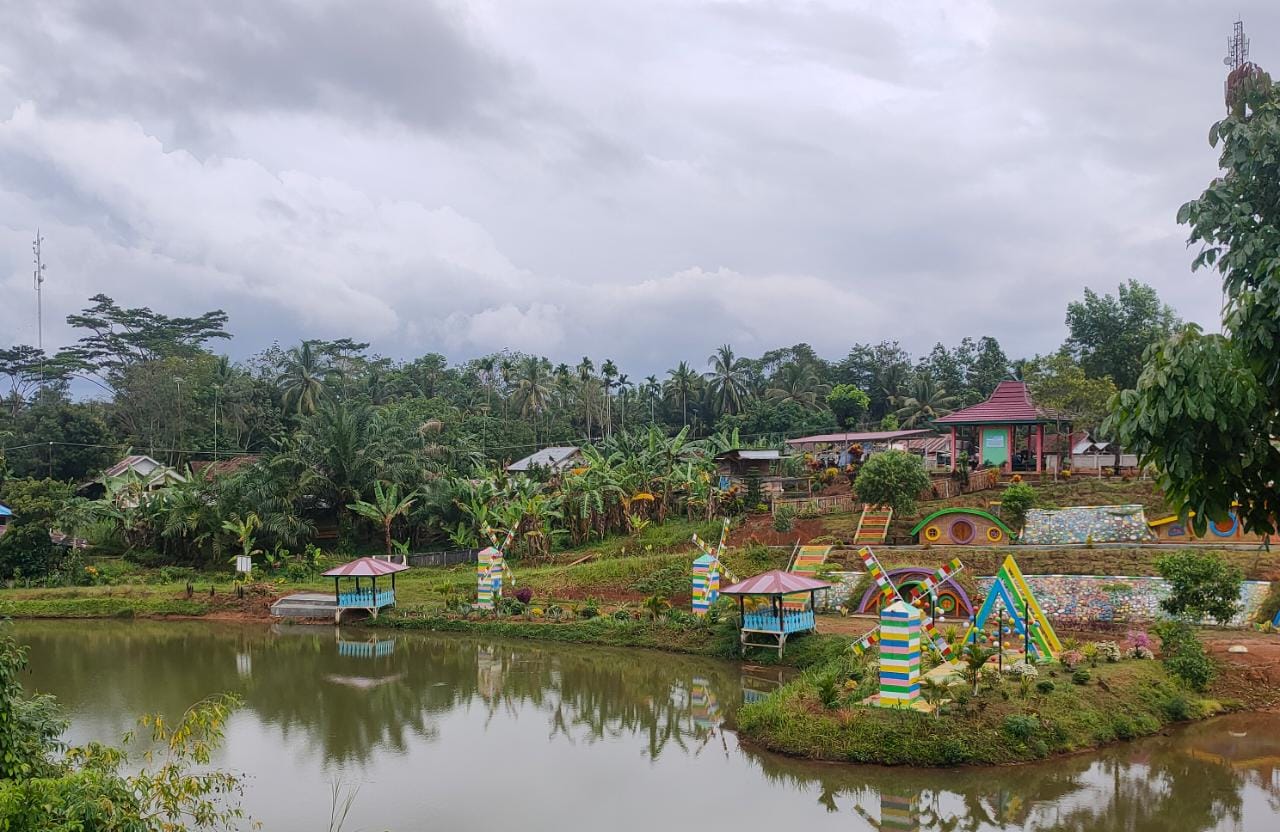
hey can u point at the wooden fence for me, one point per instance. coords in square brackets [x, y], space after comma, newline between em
[943, 489]
[450, 558]
[817, 505]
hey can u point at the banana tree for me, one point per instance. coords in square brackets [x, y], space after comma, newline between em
[385, 508]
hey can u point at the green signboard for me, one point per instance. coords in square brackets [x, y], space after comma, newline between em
[995, 446]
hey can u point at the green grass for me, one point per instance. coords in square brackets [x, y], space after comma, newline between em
[996, 727]
[697, 638]
[99, 607]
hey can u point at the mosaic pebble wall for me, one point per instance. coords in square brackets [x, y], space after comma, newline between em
[1118, 598]
[1080, 597]
[1104, 524]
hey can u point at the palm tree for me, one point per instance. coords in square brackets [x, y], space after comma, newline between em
[305, 379]
[609, 372]
[727, 380]
[652, 391]
[975, 658]
[934, 693]
[533, 389]
[798, 383]
[586, 375]
[385, 508]
[925, 402]
[624, 388]
[681, 383]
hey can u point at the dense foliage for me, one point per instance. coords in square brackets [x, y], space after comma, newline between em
[894, 479]
[1206, 408]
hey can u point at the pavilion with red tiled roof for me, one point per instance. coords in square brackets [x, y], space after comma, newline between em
[998, 426]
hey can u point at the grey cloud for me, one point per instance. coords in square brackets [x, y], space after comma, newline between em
[414, 61]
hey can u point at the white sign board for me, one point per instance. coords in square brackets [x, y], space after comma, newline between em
[244, 564]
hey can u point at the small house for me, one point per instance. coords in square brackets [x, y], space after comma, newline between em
[212, 470]
[553, 460]
[736, 466]
[152, 474]
[1007, 431]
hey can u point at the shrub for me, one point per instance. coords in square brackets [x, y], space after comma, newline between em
[1071, 659]
[1045, 686]
[1184, 655]
[1021, 726]
[524, 595]
[783, 519]
[1016, 500]
[25, 550]
[1202, 585]
[1179, 708]
[1022, 669]
[621, 615]
[828, 689]
[892, 478]
[1109, 651]
[1081, 677]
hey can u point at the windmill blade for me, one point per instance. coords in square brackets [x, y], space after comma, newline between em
[931, 584]
[876, 571]
[724, 536]
[860, 646]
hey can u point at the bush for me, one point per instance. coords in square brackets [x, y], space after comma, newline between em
[1045, 686]
[1109, 651]
[828, 689]
[1081, 677]
[892, 478]
[1071, 659]
[25, 550]
[1016, 500]
[1184, 655]
[1202, 585]
[524, 595]
[783, 519]
[1021, 726]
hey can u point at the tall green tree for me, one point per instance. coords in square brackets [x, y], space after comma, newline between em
[924, 402]
[1109, 333]
[727, 380]
[681, 384]
[385, 507]
[1206, 408]
[848, 403]
[305, 379]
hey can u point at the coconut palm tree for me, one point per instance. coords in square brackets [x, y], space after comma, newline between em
[652, 391]
[727, 380]
[681, 384]
[925, 401]
[385, 508]
[608, 372]
[798, 383]
[305, 379]
[975, 658]
[586, 389]
[533, 389]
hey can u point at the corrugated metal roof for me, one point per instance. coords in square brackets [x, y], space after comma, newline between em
[545, 458]
[754, 453]
[1009, 403]
[865, 436]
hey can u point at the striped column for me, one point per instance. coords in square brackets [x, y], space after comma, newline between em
[899, 655]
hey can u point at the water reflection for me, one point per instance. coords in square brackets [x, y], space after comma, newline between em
[634, 740]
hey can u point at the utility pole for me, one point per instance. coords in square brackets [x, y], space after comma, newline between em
[217, 388]
[38, 278]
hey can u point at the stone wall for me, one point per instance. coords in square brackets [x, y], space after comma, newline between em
[1105, 598]
[1112, 598]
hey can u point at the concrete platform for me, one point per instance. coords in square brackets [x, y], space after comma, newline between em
[306, 605]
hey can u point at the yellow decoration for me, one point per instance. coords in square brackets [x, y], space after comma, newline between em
[932, 533]
[994, 534]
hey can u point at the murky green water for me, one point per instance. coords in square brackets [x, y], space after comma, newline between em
[450, 733]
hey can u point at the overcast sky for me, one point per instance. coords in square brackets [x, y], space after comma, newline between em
[634, 180]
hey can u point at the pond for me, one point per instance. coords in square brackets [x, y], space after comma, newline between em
[456, 733]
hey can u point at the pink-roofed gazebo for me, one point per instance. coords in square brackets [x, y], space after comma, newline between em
[999, 424]
[370, 598]
[774, 621]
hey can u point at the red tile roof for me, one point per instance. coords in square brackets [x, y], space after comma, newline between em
[1010, 403]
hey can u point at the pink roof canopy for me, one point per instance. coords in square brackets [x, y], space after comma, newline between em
[365, 568]
[1009, 403]
[775, 582]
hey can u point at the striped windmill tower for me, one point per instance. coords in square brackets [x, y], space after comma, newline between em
[491, 568]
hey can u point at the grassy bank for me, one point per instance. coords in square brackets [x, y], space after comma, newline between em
[693, 637]
[1001, 724]
[101, 606]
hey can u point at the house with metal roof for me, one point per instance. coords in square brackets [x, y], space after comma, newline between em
[554, 459]
[1005, 431]
[152, 474]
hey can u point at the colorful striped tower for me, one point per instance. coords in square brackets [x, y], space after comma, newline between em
[899, 655]
[484, 579]
[706, 583]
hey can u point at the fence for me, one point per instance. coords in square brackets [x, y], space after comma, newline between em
[944, 489]
[816, 505]
[452, 557]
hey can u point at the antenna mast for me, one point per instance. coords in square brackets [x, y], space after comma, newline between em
[38, 278]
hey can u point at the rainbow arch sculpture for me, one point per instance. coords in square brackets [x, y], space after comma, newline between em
[1010, 589]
